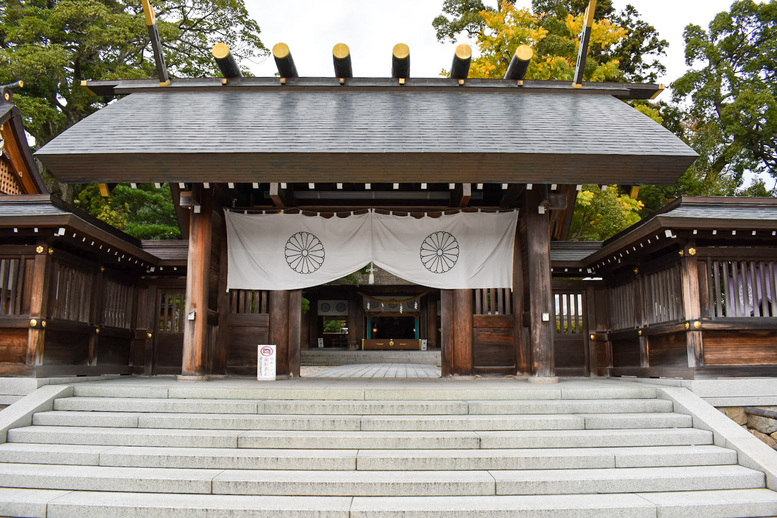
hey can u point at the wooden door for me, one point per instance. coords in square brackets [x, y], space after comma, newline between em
[168, 339]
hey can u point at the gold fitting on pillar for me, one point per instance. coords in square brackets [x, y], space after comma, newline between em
[687, 325]
[681, 252]
[97, 331]
[33, 322]
[636, 271]
[149, 335]
[39, 249]
[102, 269]
[697, 325]
[51, 251]
[691, 251]
[43, 323]
[640, 332]
[593, 337]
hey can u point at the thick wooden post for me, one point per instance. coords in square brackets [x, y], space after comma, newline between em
[446, 332]
[36, 338]
[462, 332]
[295, 332]
[540, 293]
[689, 272]
[355, 321]
[431, 322]
[279, 328]
[222, 331]
[522, 352]
[195, 338]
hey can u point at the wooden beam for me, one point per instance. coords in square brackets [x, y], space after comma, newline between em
[400, 61]
[280, 328]
[519, 63]
[156, 44]
[341, 55]
[195, 339]
[461, 196]
[585, 39]
[181, 215]
[284, 61]
[541, 307]
[562, 232]
[226, 61]
[511, 199]
[282, 198]
[522, 351]
[689, 273]
[446, 332]
[462, 59]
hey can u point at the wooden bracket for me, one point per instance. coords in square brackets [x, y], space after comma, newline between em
[282, 198]
[461, 195]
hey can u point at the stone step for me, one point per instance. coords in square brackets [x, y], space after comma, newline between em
[355, 422]
[358, 439]
[325, 407]
[79, 504]
[446, 391]
[367, 460]
[379, 483]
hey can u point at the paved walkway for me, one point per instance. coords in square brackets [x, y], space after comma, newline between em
[375, 370]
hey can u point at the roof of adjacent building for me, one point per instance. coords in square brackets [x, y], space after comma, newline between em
[19, 150]
[309, 132]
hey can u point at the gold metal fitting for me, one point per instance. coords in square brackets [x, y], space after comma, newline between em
[636, 271]
[43, 323]
[149, 335]
[40, 249]
[102, 269]
[687, 325]
[51, 251]
[593, 337]
[639, 332]
[691, 251]
[697, 325]
[97, 331]
[33, 322]
[681, 252]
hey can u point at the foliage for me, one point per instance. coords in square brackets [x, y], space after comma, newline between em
[334, 326]
[732, 116]
[55, 44]
[623, 47]
[145, 212]
[602, 213]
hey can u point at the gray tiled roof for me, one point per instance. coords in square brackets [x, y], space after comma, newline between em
[734, 212]
[572, 251]
[308, 135]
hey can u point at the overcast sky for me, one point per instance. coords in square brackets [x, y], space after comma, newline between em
[371, 28]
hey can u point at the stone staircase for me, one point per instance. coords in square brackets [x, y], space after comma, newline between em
[339, 450]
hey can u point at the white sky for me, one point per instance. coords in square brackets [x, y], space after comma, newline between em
[371, 28]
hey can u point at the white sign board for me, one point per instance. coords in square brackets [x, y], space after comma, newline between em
[424, 344]
[265, 362]
[321, 342]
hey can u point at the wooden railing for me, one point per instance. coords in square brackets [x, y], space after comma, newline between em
[248, 301]
[740, 288]
[493, 301]
[70, 293]
[623, 303]
[663, 296]
[570, 312]
[15, 276]
[118, 301]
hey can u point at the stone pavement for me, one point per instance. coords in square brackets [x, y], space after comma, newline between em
[374, 370]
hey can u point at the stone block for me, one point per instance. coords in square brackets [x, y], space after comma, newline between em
[765, 425]
[768, 440]
[736, 414]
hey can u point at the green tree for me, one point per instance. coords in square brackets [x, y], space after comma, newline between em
[55, 44]
[145, 212]
[602, 213]
[732, 91]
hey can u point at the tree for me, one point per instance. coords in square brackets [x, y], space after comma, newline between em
[732, 114]
[633, 56]
[145, 212]
[55, 44]
[602, 213]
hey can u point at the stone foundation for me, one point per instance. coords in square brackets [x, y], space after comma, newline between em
[761, 421]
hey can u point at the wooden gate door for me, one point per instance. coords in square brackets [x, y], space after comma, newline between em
[493, 328]
[571, 336]
[168, 339]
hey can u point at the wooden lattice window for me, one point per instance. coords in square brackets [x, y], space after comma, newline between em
[248, 301]
[493, 301]
[172, 306]
[117, 304]
[569, 312]
[9, 184]
[742, 288]
[70, 293]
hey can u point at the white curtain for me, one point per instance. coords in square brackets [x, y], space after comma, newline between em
[293, 251]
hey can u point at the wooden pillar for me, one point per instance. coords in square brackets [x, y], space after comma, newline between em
[541, 306]
[222, 331]
[446, 332]
[279, 328]
[522, 352]
[95, 313]
[36, 339]
[195, 338]
[431, 322]
[689, 273]
[355, 321]
[641, 317]
[295, 332]
[462, 332]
